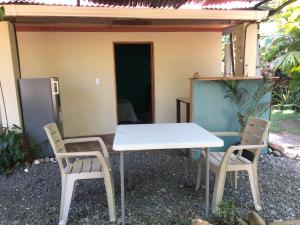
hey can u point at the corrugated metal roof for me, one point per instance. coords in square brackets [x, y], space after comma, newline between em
[177, 4]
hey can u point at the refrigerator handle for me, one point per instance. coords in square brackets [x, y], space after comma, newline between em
[55, 89]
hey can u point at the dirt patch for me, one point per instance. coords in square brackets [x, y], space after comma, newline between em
[287, 138]
[289, 123]
[288, 144]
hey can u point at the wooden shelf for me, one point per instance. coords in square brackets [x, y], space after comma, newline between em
[229, 78]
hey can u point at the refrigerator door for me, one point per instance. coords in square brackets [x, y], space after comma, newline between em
[39, 107]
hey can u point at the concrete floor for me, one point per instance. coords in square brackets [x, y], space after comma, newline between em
[93, 145]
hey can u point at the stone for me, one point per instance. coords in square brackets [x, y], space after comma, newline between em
[163, 190]
[36, 162]
[277, 153]
[288, 222]
[270, 151]
[26, 170]
[256, 219]
[291, 154]
[47, 159]
[200, 222]
[52, 159]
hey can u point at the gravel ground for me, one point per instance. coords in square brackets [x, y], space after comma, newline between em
[162, 192]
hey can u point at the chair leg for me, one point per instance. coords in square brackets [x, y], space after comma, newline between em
[218, 189]
[199, 174]
[67, 191]
[110, 197]
[254, 187]
[74, 190]
[62, 200]
[233, 179]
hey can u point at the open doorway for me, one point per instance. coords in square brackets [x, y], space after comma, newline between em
[134, 82]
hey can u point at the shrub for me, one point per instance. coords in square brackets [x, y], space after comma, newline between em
[13, 149]
[228, 213]
[286, 95]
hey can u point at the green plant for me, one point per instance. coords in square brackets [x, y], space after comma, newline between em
[186, 221]
[285, 94]
[13, 149]
[228, 213]
[2, 13]
[280, 52]
[248, 104]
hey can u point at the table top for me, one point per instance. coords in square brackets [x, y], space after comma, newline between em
[184, 99]
[163, 136]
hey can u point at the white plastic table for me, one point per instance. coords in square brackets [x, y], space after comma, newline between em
[140, 137]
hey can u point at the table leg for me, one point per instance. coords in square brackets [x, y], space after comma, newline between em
[207, 183]
[122, 188]
[128, 173]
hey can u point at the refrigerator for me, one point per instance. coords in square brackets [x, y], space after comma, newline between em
[40, 104]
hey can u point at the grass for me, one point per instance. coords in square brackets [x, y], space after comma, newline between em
[279, 119]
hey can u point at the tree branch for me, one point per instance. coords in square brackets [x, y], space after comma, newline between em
[275, 11]
[260, 3]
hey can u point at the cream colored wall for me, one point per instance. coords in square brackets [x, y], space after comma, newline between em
[79, 58]
[9, 73]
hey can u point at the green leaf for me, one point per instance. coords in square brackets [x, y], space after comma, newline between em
[287, 61]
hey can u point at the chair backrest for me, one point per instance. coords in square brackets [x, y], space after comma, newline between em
[256, 131]
[57, 144]
[55, 138]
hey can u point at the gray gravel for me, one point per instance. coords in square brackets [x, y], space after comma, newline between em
[162, 192]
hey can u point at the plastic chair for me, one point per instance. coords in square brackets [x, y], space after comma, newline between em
[232, 161]
[93, 165]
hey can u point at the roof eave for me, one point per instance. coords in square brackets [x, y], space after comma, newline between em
[134, 13]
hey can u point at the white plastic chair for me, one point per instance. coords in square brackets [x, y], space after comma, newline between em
[93, 165]
[255, 133]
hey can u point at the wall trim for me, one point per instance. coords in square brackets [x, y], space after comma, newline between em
[35, 28]
[138, 13]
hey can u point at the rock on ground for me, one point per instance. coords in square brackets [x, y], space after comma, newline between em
[200, 222]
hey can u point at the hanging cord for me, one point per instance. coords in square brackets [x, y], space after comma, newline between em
[4, 106]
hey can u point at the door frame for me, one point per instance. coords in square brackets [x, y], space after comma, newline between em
[151, 72]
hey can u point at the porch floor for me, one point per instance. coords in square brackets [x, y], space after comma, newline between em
[162, 192]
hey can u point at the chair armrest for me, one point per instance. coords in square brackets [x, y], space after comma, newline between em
[89, 139]
[242, 147]
[228, 134]
[233, 148]
[80, 140]
[78, 154]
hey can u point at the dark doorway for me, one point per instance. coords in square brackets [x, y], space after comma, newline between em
[134, 82]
